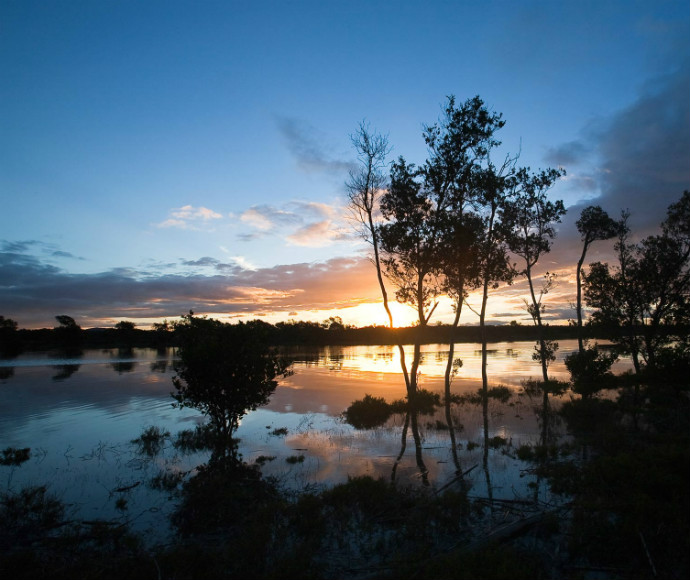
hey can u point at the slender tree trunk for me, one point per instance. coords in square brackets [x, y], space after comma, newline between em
[403, 445]
[424, 472]
[447, 382]
[580, 342]
[384, 294]
[485, 455]
[540, 328]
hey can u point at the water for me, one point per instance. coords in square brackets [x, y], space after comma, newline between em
[79, 414]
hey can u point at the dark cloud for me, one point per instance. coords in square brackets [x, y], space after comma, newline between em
[33, 292]
[61, 254]
[640, 160]
[19, 246]
[567, 154]
[306, 145]
[647, 155]
[645, 152]
[206, 261]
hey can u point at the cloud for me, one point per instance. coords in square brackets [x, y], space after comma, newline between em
[318, 234]
[645, 151]
[307, 146]
[639, 158]
[313, 235]
[205, 261]
[33, 292]
[265, 217]
[317, 224]
[568, 154]
[61, 254]
[189, 217]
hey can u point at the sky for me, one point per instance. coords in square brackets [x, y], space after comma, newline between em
[157, 157]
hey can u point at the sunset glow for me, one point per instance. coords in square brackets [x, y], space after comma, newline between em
[141, 179]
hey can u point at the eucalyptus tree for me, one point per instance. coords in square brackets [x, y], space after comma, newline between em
[365, 186]
[614, 293]
[528, 222]
[459, 154]
[410, 239]
[648, 292]
[594, 224]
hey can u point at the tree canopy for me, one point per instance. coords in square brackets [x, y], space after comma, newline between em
[225, 371]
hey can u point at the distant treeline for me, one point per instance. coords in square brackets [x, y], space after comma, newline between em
[331, 332]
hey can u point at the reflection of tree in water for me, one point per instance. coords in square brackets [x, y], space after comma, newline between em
[124, 366]
[159, 366]
[224, 371]
[6, 373]
[65, 371]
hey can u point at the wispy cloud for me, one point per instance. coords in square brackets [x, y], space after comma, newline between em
[189, 217]
[309, 147]
[301, 223]
[264, 217]
[318, 234]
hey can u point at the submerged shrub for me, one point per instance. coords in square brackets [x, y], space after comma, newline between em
[28, 515]
[368, 413]
[151, 440]
[14, 456]
[201, 438]
[590, 371]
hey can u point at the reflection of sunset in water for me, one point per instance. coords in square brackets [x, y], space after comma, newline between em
[94, 411]
[336, 376]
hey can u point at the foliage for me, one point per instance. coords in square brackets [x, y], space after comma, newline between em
[10, 345]
[423, 402]
[202, 438]
[69, 334]
[594, 224]
[528, 221]
[590, 370]
[629, 498]
[151, 440]
[224, 371]
[14, 456]
[368, 413]
[648, 289]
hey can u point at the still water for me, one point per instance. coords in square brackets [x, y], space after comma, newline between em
[79, 414]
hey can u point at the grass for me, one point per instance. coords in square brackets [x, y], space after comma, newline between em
[151, 440]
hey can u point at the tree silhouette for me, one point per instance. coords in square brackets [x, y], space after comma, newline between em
[69, 333]
[649, 289]
[594, 224]
[528, 221]
[9, 339]
[224, 371]
[365, 187]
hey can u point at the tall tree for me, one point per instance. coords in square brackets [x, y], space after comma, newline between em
[614, 293]
[365, 187]
[529, 225]
[594, 224]
[459, 146]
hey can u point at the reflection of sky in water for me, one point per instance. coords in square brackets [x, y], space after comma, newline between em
[79, 423]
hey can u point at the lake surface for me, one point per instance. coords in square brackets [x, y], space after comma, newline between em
[79, 414]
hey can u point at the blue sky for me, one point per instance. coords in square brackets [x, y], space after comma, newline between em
[162, 156]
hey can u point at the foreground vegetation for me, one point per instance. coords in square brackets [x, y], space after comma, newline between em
[623, 475]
